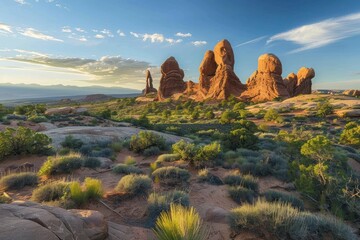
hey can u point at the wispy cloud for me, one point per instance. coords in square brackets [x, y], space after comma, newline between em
[33, 33]
[135, 34]
[4, 28]
[99, 36]
[173, 41]
[80, 30]
[22, 2]
[66, 29]
[155, 38]
[199, 43]
[251, 41]
[321, 33]
[31, 53]
[108, 70]
[180, 34]
[120, 33]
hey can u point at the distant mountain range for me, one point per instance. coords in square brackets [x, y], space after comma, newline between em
[29, 91]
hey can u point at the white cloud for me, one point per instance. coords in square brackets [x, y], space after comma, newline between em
[5, 28]
[22, 2]
[66, 29]
[80, 30]
[120, 33]
[31, 53]
[107, 33]
[199, 43]
[251, 41]
[135, 34]
[82, 39]
[180, 34]
[321, 33]
[33, 33]
[156, 37]
[173, 41]
[77, 37]
[99, 36]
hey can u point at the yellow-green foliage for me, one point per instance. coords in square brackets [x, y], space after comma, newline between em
[180, 223]
[61, 164]
[94, 188]
[18, 180]
[134, 184]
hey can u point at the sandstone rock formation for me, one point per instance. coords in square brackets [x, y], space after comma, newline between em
[353, 93]
[207, 70]
[304, 83]
[225, 82]
[171, 81]
[29, 221]
[149, 88]
[290, 82]
[266, 83]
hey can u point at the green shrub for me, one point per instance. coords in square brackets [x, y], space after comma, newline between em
[168, 158]
[180, 223]
[134, 184]
[204, 175]
[151, 151]
[171, 175]
[18, 180]
[117, 146]
[23, 141]
[93, 188]
[129, 160]
[126, 169]
[158, 203]
[72, 143]
[324, 108]
[271, 115]
[240, 138]
[285, 222]
[241, 195]
[5, 199]
[61, 164]
[351, 134]
[50, 191]
[207, 153]
[37, 118]
[247, 181]
[146, 139]
[274, 196]
[91, 162]
[185, 150]
[228, 117]
[76, 193]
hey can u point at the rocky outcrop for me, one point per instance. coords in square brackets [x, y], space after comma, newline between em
[225, 82]
[353, 93]
[207, 70]
[266, 83]
[149, 88]
[290, 82]
[304, 83]
[171, 81]
[29, 221]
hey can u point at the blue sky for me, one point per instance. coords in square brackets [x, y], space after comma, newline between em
[111, 43]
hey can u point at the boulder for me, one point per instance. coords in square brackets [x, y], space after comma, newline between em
[28, 221]
[266, 83]
[171, 81]
[149, 88]
[354, 93]
[304, 82]
[348, 113]
[225, 82]
[290, 82]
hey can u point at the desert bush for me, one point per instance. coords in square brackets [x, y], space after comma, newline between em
[50, 192]
[129, 160]
[247, 181]
[168, 158]
[240, 138]
[207, 153]
[271, 115]
[151, 151]
[23, 141]
[91, 162]
[171, 175]
[117, 146]
[5, 199]
[228, 117]
[241, 194]
[180, 223]
[204, 175]
[72, 143]
[146, 139]
[126, 169]
[158, 203]
[37, 118]
[185, 150]
[93, 188]
[134, 184]
[324, 108]
[351, 134]
[18, 180]
[76, 193]
[276, 196]
[285, 222]
[61, 164]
